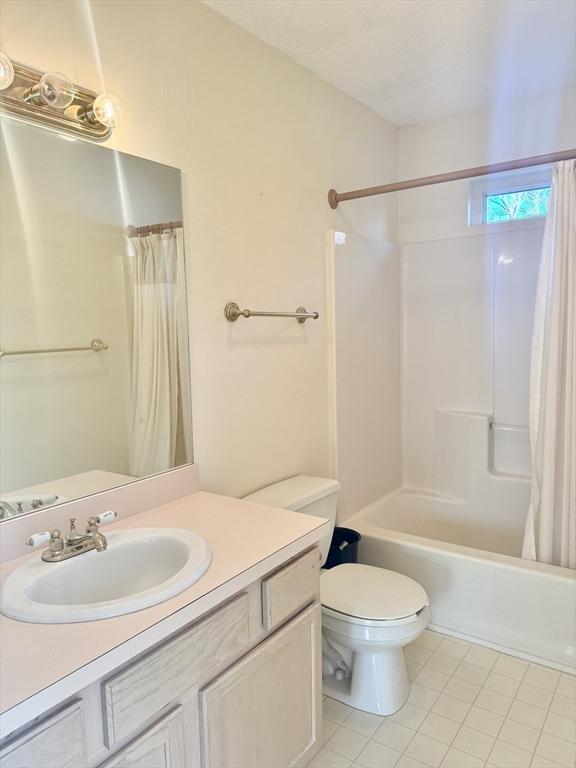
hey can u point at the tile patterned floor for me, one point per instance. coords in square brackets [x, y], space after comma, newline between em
[469, 707]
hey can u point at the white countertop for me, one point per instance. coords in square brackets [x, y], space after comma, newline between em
[44, 663]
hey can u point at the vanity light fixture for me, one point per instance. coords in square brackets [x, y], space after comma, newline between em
[53, 100]
[53, 89]
[105, 109]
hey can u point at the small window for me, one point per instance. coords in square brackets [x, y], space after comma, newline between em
[511, 197]
[514, 205]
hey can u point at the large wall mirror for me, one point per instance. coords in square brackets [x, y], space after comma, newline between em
[94, 370]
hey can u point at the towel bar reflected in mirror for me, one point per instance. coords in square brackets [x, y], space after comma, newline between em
[96, 345]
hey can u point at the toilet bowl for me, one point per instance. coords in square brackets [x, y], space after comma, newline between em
[368, 614]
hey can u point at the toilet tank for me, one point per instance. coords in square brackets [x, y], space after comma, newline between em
[310, 495]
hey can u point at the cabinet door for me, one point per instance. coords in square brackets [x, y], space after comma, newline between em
[56, 741]
[264, 712]
[161, 746]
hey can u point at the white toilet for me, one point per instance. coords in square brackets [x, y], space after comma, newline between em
[368, 614]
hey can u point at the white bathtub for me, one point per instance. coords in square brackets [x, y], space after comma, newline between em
[483, 592]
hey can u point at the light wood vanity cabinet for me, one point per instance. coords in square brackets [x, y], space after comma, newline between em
[288, 589]
[143, 689]
[161, 746]
[265, 710]
[57, 741]
[237, 688]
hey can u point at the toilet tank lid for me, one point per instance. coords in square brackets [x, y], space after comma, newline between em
[295, 492]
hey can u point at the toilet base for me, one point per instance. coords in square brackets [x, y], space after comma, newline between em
[379, 683]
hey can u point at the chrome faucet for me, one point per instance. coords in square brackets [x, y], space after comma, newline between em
[74, 543]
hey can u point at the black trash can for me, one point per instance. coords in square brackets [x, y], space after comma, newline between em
[343, 547]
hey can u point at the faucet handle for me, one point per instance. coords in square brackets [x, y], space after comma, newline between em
[106, 517]
[53, 538]
[37, 539]
[56, 541]
[92, 526]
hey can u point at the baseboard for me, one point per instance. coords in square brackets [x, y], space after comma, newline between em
[502, 649]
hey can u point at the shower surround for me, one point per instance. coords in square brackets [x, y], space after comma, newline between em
[454, 521]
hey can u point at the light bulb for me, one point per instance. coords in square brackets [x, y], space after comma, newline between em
[55, 90]
[107, 109]
[6, 72]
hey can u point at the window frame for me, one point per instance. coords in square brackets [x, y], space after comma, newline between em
[501, 184]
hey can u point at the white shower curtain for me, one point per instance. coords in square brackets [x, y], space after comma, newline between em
[550, 534]
[159, 402]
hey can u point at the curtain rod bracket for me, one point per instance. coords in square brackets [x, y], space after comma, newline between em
[333, 199]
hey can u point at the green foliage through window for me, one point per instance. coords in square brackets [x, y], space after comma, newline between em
[517, 205]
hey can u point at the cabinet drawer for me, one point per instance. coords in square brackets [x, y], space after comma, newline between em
[291, 588]
[140, 691]
[161, 746]
[55, 742]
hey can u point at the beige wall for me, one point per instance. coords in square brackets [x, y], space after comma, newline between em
[260, 141]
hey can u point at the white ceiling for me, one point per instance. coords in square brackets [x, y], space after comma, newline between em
[417, 60]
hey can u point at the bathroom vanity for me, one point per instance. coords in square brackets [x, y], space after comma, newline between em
[228, 673]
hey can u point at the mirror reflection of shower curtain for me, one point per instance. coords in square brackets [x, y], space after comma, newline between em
[159, 412]
[550, 534]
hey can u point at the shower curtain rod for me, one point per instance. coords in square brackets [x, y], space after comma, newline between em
[468, 173]
[152, 229]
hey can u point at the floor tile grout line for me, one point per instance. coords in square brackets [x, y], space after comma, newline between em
[533, 752]
[542, 732]
[473, 729]
[548, 712]
[451, 676]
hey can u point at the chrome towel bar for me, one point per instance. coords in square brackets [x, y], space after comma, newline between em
[96, 345]
[232, 312]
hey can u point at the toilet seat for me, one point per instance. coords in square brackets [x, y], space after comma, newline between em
[370, 623]
[370, 596]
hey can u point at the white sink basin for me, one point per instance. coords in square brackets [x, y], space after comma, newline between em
[140, 568]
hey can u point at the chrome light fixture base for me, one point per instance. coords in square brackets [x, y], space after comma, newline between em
[13, 102]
